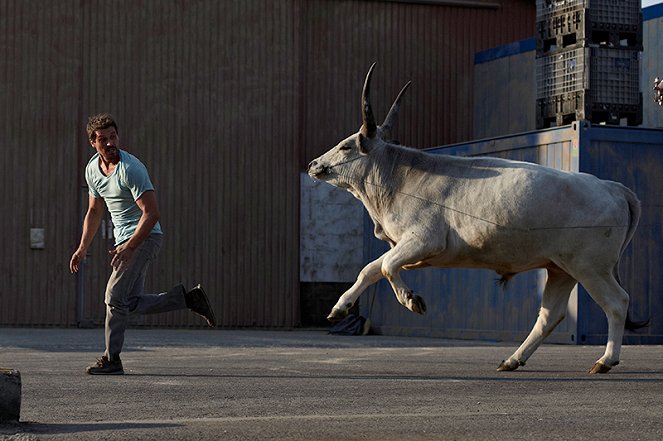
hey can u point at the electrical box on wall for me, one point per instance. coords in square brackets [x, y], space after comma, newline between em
[37, 238]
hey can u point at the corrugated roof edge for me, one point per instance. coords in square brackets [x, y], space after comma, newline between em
[518, 47]
[529, 44]
[652, 12]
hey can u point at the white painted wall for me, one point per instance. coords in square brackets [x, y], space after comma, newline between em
[331, 233]
[652, 67]
[505, 96]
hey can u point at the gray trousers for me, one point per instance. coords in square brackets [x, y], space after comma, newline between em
[125, 295]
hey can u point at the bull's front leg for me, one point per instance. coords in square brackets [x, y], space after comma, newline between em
[369, 275]
[406, 252]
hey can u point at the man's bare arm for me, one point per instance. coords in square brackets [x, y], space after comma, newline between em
[90, 226]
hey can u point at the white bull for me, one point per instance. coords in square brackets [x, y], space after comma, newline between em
[508, 216]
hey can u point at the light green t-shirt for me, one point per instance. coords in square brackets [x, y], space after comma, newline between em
[120, 191]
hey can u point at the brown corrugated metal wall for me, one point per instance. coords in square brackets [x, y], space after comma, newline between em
[432, 45]
[225, 102]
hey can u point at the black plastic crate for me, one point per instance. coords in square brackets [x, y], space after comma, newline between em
[614, 76]
[611, 75]
[600, 11]
[568, 107]
[578, 27]
[562, 72]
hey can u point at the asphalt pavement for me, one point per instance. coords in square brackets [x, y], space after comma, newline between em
[308, 385]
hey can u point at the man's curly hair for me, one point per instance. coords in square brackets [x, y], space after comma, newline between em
[99, 122]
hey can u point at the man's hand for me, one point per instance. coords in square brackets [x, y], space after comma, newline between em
[121, 256]
[90, 226]
[76, 260]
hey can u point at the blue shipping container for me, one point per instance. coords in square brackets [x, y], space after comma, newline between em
[469, 304]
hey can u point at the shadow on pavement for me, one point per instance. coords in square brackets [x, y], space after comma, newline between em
[43, 428]
[523, 376]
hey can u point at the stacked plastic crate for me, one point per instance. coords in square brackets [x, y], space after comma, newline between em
[588, 62]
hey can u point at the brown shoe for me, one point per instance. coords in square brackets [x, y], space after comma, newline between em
[196, 301]
[105, 366]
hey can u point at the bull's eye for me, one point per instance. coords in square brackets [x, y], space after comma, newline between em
[344, 147]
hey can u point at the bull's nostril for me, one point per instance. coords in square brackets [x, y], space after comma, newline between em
[311, 164]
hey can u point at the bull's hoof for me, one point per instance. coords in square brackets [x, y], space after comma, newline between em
[599, 368]
[418, 305]
[509, 365]
[336, 315]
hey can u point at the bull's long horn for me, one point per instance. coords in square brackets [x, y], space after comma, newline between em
[368, 127]
[391, 116]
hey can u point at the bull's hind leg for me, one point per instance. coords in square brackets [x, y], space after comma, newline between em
[611, 297]
[404, 253]
[370, 274]
[553, 309]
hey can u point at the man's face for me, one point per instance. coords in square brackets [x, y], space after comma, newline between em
[106, 144]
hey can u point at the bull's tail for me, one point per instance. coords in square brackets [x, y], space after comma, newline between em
[634, 211]
[634, 218]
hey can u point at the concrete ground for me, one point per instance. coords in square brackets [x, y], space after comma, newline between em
[307, 385]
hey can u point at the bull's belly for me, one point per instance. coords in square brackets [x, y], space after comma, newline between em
[572, 250]
[500, 264]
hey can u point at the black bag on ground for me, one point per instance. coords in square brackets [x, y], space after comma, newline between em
[350, 325]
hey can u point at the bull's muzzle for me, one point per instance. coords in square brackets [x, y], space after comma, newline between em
[316, 170]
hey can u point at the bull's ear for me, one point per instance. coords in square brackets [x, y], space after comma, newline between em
[363, 143]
